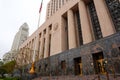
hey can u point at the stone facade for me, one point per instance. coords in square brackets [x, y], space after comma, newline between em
[110, 46]
[75, 24]
[53, 6]
[82, 38]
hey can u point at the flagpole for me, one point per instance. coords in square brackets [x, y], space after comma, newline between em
[36, 38]
[32, 70]
[39, 19]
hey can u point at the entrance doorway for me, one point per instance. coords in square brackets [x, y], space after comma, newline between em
[78, 66]
[99, 63]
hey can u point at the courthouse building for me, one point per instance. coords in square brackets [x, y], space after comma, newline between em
[78, 36]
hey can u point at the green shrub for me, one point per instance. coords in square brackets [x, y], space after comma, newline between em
[16, 78]
[9, 67]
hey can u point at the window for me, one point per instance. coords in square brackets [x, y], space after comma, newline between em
[59, 3]
[40, 35]
[49, 45]
[45, 31]
[43, 48]
[99, 63]
[78, 66]
[45, 67]
[25, 29]
[79, 28]
[63, 2]
[39, 68]
[39, 47]
[65, 26]
[32, 43]
[119, 48]
[50, 27]
[95, 21]
[114, 9]
[56, 5]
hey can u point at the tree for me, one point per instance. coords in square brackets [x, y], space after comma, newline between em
[1, 63]
[2, 71]
[9, 67]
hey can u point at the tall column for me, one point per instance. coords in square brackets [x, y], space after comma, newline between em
[51, 7]
[64, 31]
[30, 52]
[71, 30]
[41, 46]
[37, 45]
[58, 3]
[47, 44]
[85, 24]
[32, 49]
[55, 5]
[104, 18]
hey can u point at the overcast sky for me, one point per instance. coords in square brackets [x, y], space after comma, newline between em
[13, 13]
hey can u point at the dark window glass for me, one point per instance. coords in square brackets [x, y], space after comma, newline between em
[114, 9]
[78, 66]
[99, 63]
[95, 21]
[49, 45]
[79, 28]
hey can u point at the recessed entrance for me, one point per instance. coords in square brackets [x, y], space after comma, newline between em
[63, 65]
[99, 63]
[78, 66]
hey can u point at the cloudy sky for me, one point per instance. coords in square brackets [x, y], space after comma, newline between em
[13, 13]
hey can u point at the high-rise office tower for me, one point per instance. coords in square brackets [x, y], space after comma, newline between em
[20, 36]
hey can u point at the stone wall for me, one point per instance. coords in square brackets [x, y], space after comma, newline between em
[90, 77]
[109, 46]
